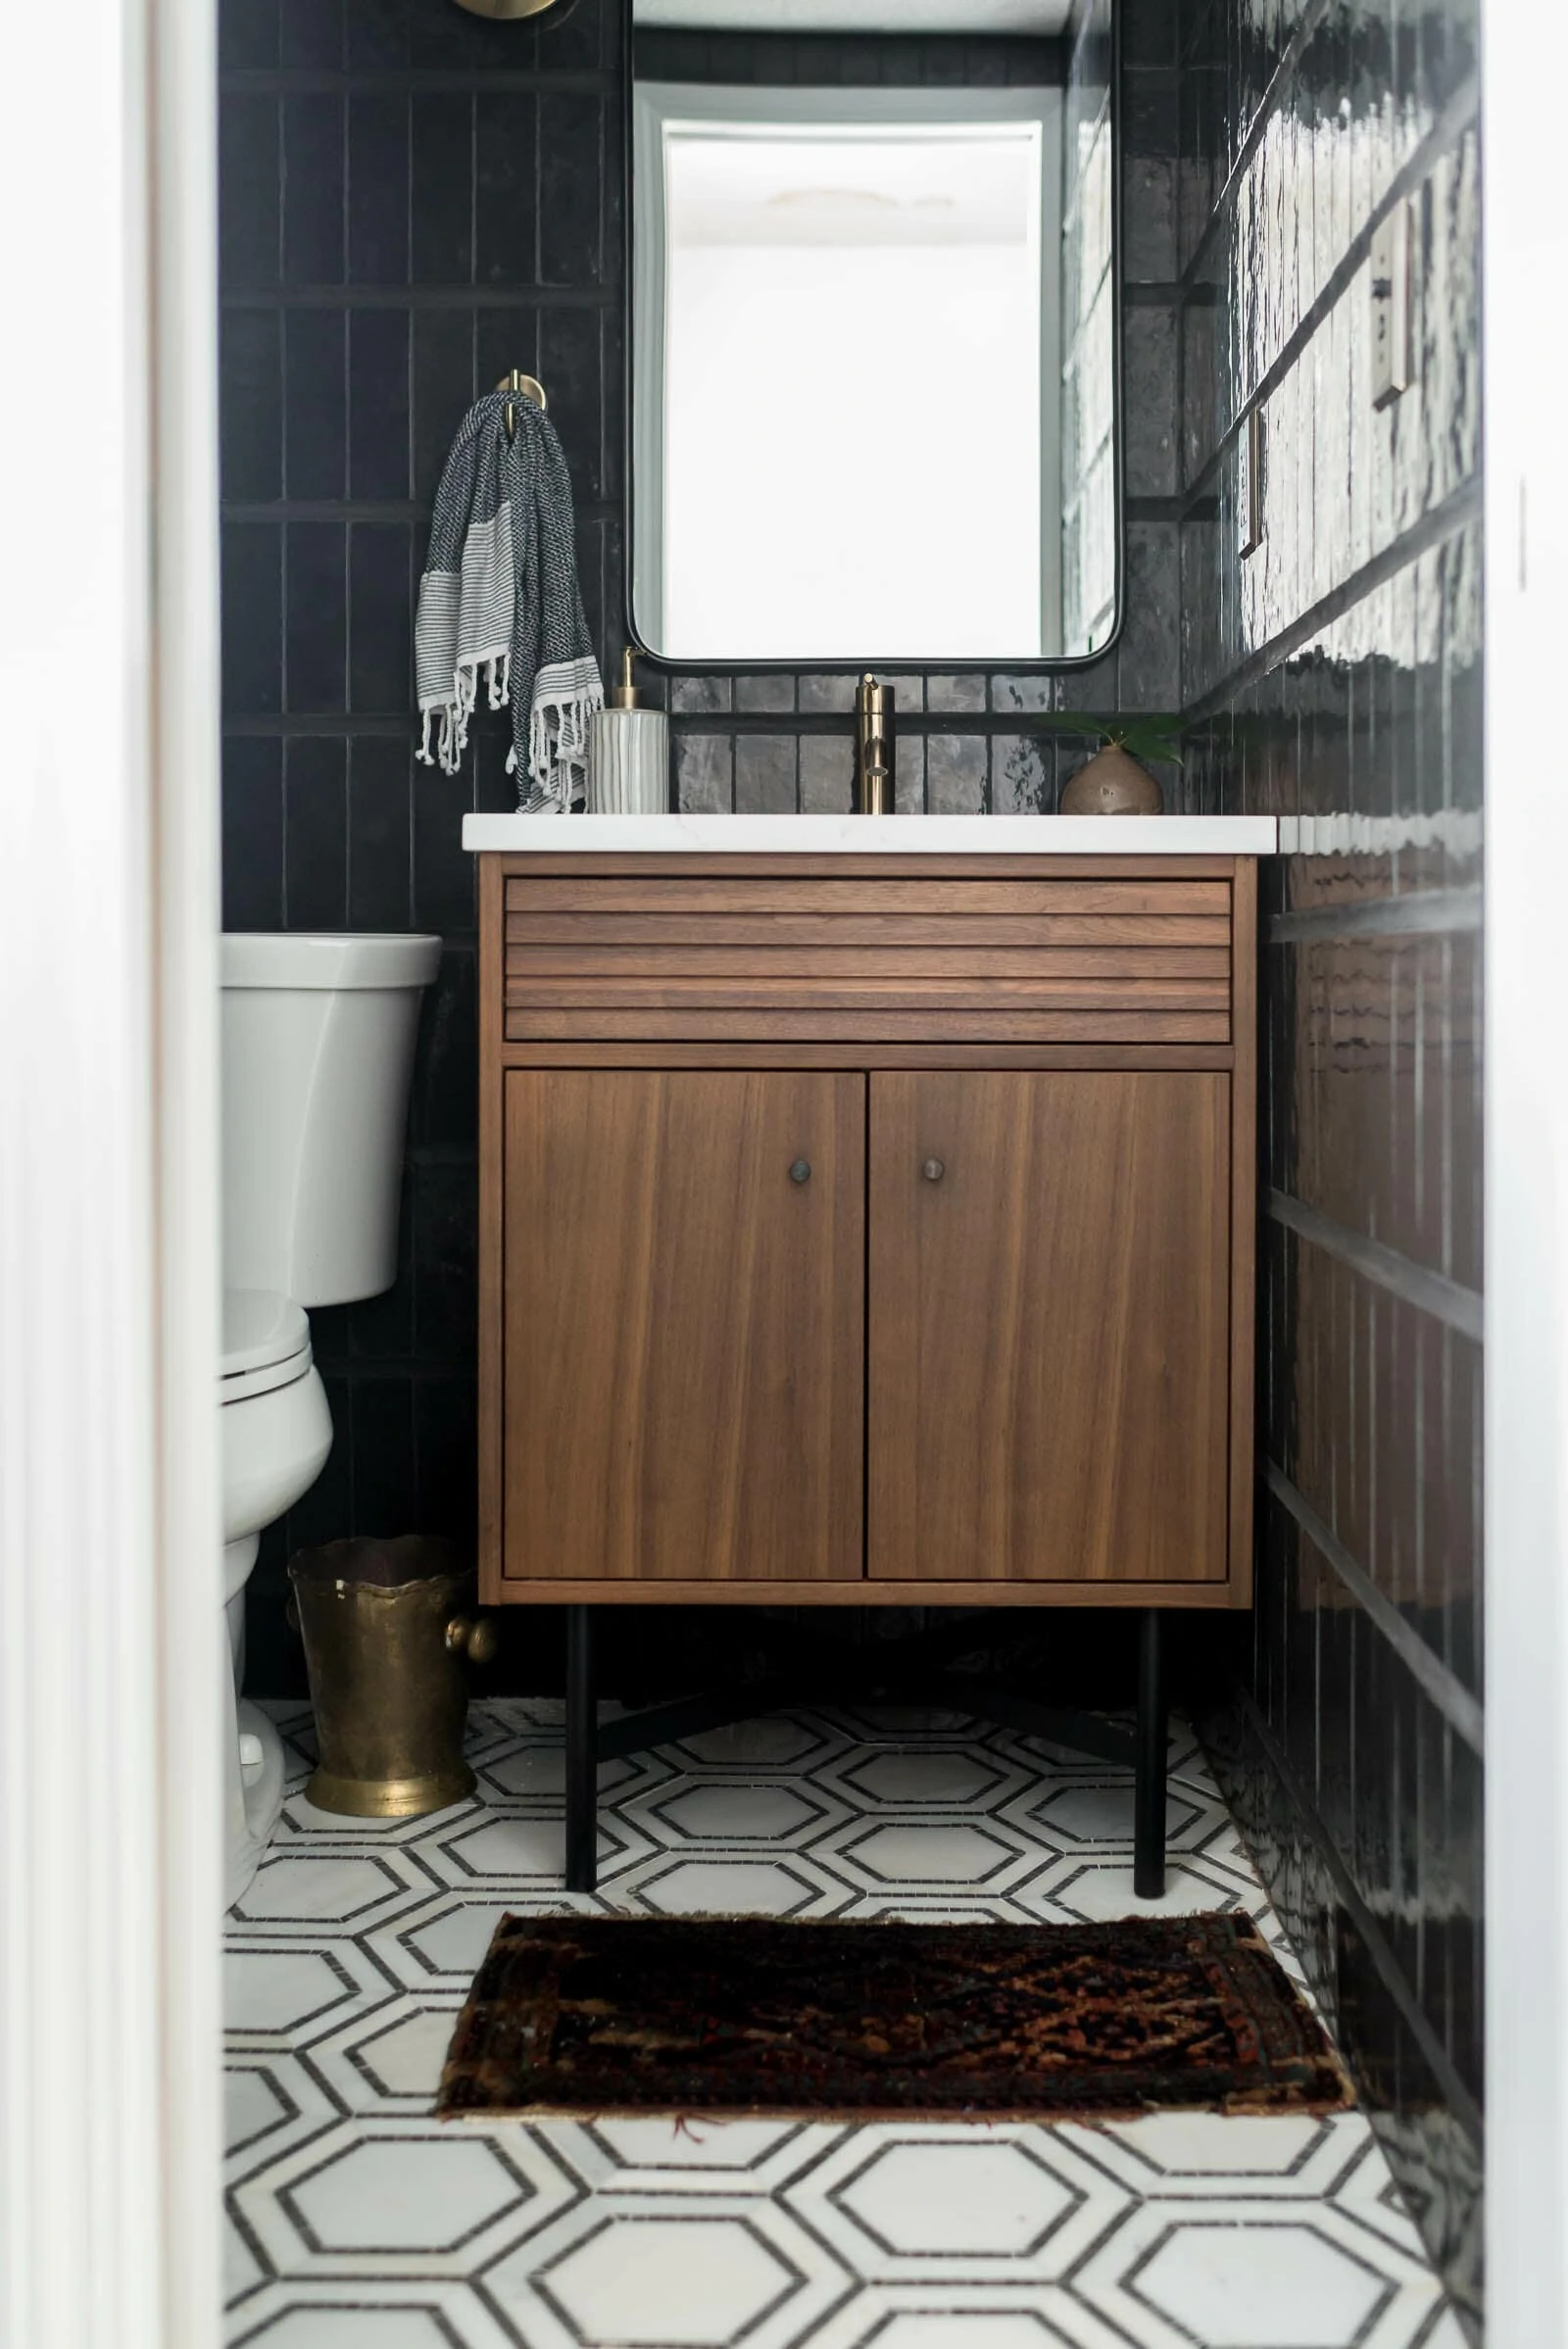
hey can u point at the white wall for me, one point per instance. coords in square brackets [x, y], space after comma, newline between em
[109, 1656]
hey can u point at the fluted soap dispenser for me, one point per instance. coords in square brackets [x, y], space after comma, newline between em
[628, 754]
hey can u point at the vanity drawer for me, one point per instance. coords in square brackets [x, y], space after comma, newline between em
[708, 957]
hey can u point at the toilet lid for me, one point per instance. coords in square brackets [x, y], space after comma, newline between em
[266, 1342]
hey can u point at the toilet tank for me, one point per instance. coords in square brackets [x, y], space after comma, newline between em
[317, 1050]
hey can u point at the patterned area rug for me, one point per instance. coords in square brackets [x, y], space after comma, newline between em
[589, 2015]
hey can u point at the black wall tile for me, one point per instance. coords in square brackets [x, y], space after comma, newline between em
[444, 384]
[446, 1455]
[443, 873]
[569, 369]
[251, 405]
[253, 834]
[386, 1493]
[444, 1112]
[253, 618]
[312, 33]
[315, 402]
[506, 185]
[380, 632]
[572, 129]
[314, 191]
[443, 188]
[380, 188]
[377, 35]
[379, 377]
[316, 633]
[250, 209]
[248, 37]
[446, 1258]
[316, 833]
[380, 833]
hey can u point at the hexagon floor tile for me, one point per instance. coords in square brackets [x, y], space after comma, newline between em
[357, 2222]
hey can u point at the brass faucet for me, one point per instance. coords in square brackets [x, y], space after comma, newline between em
[873, 747]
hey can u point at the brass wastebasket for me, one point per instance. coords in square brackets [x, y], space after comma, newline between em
[389, 1628]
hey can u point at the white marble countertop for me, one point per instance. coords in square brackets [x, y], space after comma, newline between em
[874, 835]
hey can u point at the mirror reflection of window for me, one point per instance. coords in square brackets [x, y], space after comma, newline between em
[849, 331]
[853, 355]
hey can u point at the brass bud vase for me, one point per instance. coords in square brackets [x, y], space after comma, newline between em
[1113, 783]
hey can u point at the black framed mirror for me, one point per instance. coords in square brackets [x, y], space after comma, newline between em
[874, 332]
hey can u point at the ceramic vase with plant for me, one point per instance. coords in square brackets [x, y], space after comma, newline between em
[1116, 779]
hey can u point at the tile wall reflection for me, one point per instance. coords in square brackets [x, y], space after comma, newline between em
[1334, 679]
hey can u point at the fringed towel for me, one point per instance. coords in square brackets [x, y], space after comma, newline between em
[499, 594]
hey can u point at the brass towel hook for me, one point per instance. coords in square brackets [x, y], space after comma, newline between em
[514, 380]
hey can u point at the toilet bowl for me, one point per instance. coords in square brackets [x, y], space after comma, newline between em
[318, 1053]
[275, 1431]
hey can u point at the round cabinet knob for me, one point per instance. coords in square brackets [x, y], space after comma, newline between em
[933, 1170]
[800, 1171]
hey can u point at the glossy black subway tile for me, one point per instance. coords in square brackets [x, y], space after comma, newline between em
[380, 188]
[380, 833]
[506, 187]
[381, 611]
[250, 406]
[442, 198]
[252, 591]
[313, 183]
[250, 206]
[315, 832]
[315, 629]
[314, 402]
[253, 833]
[379, 391]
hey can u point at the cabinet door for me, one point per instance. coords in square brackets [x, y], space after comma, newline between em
[684, 1325]
[1049, 1327]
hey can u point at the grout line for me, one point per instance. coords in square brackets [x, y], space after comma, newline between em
[1447, 1301]
[395, 81]
[1452, 1699]
[468, 296]
[1459, 2098]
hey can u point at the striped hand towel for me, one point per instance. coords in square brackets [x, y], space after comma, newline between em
[500, 593]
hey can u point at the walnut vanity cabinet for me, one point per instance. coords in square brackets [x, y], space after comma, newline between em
[866, 1231]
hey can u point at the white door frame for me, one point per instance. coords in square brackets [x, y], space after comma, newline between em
[1524, 73]
[110, 1656]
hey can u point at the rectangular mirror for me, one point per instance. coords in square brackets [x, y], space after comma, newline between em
[874, 367]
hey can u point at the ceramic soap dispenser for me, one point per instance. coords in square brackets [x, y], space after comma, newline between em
[628, 754]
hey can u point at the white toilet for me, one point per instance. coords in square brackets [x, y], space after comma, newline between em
[317, 1050]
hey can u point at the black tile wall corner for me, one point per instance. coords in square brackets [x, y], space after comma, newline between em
[1333, 679]
[413, 200]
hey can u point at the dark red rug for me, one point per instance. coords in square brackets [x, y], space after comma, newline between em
[750, 2015]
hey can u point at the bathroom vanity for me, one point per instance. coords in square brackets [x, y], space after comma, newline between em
[867, 1210]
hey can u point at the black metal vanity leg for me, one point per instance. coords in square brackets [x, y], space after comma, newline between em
[1149, 1800]
[582, 1752]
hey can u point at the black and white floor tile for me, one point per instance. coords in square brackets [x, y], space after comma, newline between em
[357, 2222]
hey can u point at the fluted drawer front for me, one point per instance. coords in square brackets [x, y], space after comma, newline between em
[709, 957]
